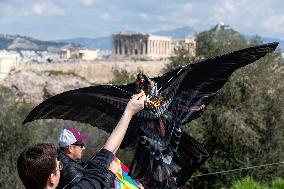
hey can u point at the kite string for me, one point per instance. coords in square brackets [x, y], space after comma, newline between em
[170, 79]
[121, 89]
[82, 170]
[157, 90]
[239, 169]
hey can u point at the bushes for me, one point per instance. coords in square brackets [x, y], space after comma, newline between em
[277, 184]
[13, 137]
[121, 77]
[250, 183]
[246, 183]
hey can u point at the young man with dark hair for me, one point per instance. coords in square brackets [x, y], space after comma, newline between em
[38, 166]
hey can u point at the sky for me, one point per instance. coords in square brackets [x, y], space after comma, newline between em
[63, 19]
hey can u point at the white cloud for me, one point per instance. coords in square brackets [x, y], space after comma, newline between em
[162, 18]
[87, 2]
[6, 12]
[144, 16]
[274, 24]
[45, 9]
[263, 17]
[187, 7]
[247, 16]
[106, 16]
[226, 10]
[109, 17]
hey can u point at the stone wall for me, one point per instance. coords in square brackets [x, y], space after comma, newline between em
[99, 71]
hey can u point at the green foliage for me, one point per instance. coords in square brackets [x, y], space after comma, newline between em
[13, 137]
[181, 57]
[247, 183]
[277, 184]
[205, 44]
[250, 183]
[122, 76]
[208, 45]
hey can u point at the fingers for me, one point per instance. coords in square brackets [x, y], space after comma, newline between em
[136, 103]
[139, 96]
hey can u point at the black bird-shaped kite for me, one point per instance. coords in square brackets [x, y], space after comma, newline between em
[166, 156]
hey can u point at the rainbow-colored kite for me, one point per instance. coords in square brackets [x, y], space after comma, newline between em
[123, 180]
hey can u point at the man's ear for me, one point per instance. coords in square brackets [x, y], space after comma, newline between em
[52, 179]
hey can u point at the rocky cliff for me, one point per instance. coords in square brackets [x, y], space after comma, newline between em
[34, 87]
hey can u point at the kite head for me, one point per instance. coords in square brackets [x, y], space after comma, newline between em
[142, 78]
[143, 83]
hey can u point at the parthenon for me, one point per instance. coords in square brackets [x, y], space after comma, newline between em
[148, 46]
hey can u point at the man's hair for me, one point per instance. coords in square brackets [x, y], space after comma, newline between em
[35, 164]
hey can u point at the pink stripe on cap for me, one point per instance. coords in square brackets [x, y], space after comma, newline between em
[79, 137]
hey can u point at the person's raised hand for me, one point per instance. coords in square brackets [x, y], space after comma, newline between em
[136, 103]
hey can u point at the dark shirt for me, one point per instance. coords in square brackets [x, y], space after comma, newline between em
[95, 175]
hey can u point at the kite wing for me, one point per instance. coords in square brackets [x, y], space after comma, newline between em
[101, 106]
[189, 89]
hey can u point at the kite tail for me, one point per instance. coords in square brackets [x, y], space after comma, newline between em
[153, 173]
[190, 156]
[173, 167]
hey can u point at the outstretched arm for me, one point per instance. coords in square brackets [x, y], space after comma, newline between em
[133, 106]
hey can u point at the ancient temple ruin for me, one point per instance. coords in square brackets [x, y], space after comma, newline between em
[147, 46]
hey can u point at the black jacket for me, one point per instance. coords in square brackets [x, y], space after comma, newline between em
[95, 175]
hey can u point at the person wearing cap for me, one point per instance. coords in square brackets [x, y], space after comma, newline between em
[38, 166]
[71, 146]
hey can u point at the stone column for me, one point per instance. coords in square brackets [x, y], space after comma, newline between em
[127, 47]
[122, 46]
[150, 47]
[164, 48]
[154, 47]
[132, 45]
[117, 46]
[144, 47]
[114, 45]
[159, 47]
[168, 48]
